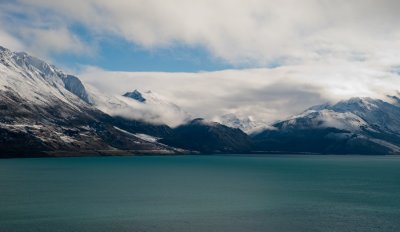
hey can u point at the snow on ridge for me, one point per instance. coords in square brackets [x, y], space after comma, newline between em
[147, 137]
[144, 137]
[355, 114]
[36, 81]
[246, 124]
[327, 118]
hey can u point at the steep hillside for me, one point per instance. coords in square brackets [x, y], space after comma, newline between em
[44, 111]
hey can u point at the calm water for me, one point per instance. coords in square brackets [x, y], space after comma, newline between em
[201, 193]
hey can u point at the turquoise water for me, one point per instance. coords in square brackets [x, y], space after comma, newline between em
[201, 193]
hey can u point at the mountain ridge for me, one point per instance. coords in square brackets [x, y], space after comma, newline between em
[353, 126]
[42, 112]
[46, 112]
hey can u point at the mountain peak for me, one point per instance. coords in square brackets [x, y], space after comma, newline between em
[3, 49]
[136, 95]
[42, 74]
[246, 123]
[5, 54]
[198, 120]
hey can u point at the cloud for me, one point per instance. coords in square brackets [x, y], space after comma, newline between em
[39, 32]
[43, 41]
[265, 94]
[156, 109]
[241, 32]
[10, 41]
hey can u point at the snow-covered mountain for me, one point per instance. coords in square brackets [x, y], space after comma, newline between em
[355, 114]
[35, 80]
[43, 110]
[246, 124]
[357, 125]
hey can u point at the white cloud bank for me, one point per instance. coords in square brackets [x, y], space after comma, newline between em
[265, 94]
[241, 32]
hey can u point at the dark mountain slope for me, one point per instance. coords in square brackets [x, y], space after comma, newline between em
[209, 137]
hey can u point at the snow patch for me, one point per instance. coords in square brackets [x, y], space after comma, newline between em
[147, 138]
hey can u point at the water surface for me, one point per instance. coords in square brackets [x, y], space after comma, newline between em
[201, 193]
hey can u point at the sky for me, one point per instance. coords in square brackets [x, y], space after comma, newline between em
[261, 58]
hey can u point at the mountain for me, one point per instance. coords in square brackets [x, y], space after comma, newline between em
[75, 86]
[354, 126]
[44, 111]
[246, 124]
[209, 137]
[136, 95]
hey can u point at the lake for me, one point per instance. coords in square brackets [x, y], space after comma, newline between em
[201, 193]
